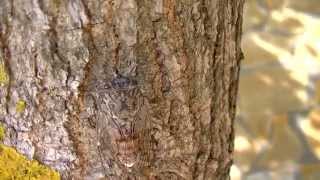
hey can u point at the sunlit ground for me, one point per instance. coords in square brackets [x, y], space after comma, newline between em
[278, 121]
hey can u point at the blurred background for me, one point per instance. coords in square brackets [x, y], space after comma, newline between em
[278, 120]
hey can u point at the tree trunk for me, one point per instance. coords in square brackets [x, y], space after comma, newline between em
[122, 89]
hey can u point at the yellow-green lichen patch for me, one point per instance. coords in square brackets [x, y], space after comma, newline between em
[21, 106]
[4, 78]
[15, 166]
[2, 134]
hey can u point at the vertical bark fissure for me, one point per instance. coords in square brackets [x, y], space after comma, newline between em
[6, 54]
[76, 124]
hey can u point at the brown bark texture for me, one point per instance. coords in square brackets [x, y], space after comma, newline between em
[122, 89]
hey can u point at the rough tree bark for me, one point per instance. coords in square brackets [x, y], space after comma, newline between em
[122, 89]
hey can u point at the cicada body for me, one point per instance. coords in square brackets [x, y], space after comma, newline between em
[121, 123]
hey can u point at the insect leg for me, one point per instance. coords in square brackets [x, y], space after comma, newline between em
[118, 127]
